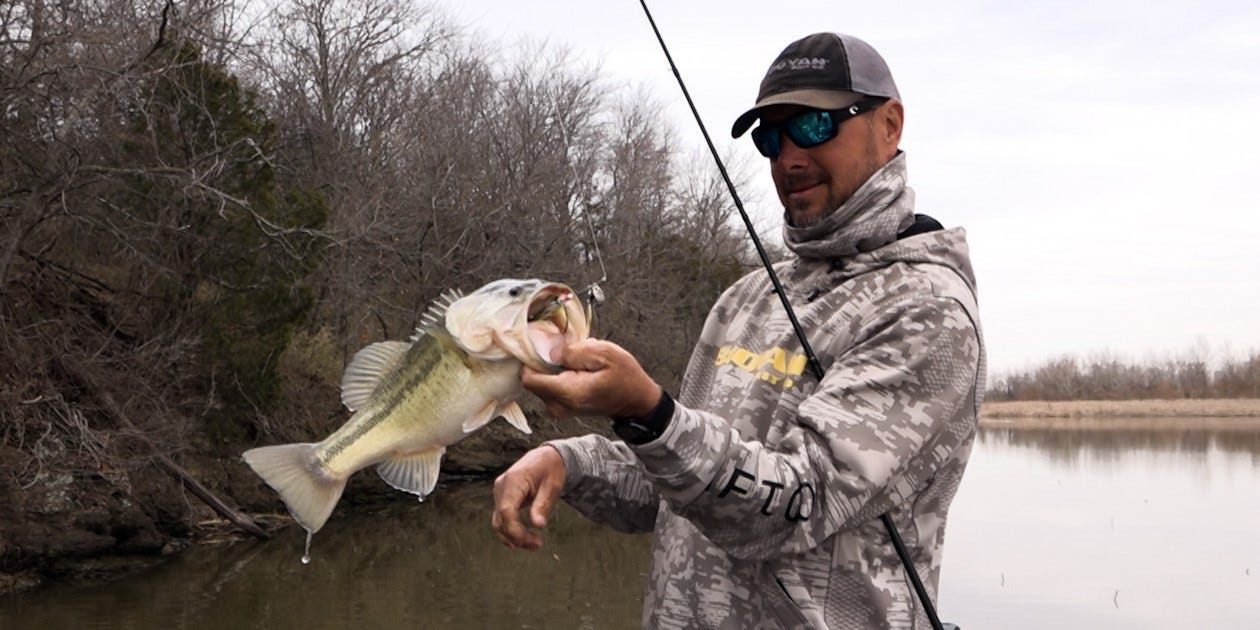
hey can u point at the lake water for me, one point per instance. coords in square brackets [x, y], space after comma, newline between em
[1121, 524]
[1118, 524]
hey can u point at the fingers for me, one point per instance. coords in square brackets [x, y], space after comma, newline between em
[566, 393]
[548, 492]
[553, 389]
[510, 494]
[588, 355]
[536, 480]
[602, 378]
[538, 382]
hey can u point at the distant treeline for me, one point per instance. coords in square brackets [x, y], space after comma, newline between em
[206, 207]
[1106, 377]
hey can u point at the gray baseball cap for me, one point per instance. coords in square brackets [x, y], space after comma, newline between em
[824, 71]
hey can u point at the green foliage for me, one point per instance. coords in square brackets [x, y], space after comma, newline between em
[308, 406]
[311, 360]
[238, 245]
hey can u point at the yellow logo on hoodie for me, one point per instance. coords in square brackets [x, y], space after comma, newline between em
[775, 365]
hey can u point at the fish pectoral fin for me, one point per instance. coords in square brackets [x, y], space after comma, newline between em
[481, 418]
[515, 416]
[366, 370]
[416, 473]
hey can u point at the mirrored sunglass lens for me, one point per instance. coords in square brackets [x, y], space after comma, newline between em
[811, 128]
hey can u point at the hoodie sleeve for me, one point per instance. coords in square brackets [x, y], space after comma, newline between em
[605, 482]
[888, 412]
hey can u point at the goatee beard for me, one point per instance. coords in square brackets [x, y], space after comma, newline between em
[811, 220]
[805, 221]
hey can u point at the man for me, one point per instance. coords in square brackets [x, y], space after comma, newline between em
[763, 486]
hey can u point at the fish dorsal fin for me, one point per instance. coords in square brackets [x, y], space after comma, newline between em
[435, 316]
[366, 370]
[416, 473]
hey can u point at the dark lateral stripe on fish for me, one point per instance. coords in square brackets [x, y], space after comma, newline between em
[423, 359]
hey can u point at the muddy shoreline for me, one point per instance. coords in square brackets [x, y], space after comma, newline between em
[1178, 408]
[59, 529]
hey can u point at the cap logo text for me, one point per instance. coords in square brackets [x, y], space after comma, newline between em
[801, 63]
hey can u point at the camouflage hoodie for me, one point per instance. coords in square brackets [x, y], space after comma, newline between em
[766, 487]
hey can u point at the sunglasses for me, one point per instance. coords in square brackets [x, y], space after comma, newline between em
[808, 129]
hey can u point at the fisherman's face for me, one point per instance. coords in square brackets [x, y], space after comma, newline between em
[814, 182]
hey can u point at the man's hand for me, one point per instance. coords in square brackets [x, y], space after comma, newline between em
[601, 378]
[535, 480]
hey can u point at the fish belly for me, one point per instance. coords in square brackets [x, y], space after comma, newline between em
[416, 414]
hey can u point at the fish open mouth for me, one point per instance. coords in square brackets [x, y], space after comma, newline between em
[554, 319]
[550, 308]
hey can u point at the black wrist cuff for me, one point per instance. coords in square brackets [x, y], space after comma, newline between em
[643, 430]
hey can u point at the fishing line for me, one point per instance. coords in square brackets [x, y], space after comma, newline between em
[810, 357]
[594, 294]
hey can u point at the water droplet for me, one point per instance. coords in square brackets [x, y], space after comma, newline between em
[306, 555]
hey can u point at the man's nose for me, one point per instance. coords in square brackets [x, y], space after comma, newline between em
[790, 155]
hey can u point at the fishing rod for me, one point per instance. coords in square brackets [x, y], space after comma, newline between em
[593, 294]
[810, 357]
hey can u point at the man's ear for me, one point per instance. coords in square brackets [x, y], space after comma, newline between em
[890, 119]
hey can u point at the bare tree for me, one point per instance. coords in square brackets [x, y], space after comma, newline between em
[1105, 376]
[202, 216]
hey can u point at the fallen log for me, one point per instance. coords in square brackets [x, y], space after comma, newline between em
[175, 470]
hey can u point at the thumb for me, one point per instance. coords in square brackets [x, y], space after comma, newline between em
[585, 356]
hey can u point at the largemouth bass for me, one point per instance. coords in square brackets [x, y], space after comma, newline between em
[411, 400]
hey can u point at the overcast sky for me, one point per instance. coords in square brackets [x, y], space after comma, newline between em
[1100, 154]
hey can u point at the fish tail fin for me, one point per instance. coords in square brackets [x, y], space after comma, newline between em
[292, 470]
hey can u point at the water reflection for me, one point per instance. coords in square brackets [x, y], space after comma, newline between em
[396, 565]
[1142, 523]
[1068, 441]
[1139, 523]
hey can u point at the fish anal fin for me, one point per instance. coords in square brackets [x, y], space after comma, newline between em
[515, 416]
[481, 418]
[366, 370]
[416, 473]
